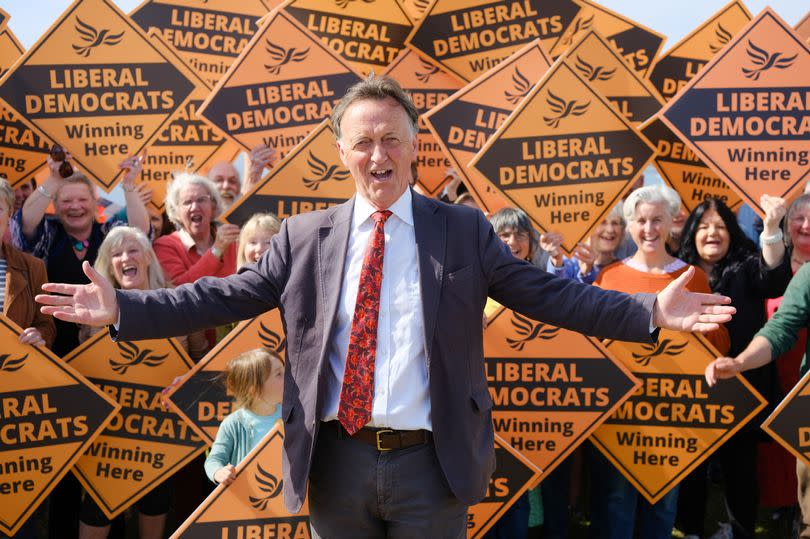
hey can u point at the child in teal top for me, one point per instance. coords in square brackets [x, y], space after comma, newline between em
[256, 380]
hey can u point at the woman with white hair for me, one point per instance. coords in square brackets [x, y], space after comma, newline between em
[197, 248]
[617, 507]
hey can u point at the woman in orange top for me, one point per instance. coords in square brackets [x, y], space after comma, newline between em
[649, 212]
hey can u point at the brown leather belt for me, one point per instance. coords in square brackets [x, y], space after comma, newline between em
[385, 439]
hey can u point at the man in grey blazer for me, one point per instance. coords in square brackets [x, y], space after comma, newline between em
[426, 452]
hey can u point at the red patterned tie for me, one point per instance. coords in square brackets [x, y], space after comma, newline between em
[357, 392]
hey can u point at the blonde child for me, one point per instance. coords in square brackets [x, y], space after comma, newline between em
[256, 380]
[255, 236]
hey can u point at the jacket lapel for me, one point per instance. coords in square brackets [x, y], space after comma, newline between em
[16, 279]
[430, 228]
[333, 241]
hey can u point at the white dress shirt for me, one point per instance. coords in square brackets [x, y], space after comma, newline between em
[401, 395]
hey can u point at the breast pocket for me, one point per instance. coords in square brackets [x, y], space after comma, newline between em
[459, 276]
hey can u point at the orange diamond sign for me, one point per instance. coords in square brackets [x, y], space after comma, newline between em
[674, 421]
[686, 58]
[463, 122]
[282, 86]
[428, 85]
[803, 27]
[746, 113]
[550, 387]
[565, 156]
[251, 506]
[144, 444]
[200, 398]
[636, 44]
[311, 177]
[598, 62]
[49, 417]
[788, 424]
[22, 151]
[683, 170]
[98, 86]
[514, 474]
[468, 38]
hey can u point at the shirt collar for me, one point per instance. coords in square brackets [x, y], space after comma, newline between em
[186, 239]
[402, 208]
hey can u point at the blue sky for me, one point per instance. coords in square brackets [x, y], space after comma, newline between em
[673, 18]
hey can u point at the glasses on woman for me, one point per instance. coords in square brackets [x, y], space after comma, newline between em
[199, 201]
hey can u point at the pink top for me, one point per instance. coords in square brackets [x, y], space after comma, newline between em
[182, 263]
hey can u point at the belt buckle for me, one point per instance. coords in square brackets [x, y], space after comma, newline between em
[379, 441]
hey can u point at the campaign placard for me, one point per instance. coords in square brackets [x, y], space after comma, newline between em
[50, 415]
[3, 17]
[253, 505]
[684, 171]
[428, 85]
[788, 424]
[208, 35]
[565, 156]
[803, 27]
[144, 444]
[470, 37]
[513, 475]
[22, 151]
[550, 387]
[463, 122]
[200, 398]
[186, 145]
[746, 113]
[676, 67]
[674, 421]
[285, 83]
[98, 86]
[368, 34]
[601, 64]
[636, 44]
[311, 177]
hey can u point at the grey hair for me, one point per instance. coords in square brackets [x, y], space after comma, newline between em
[7, 194]
[114, 239]
[515, 219]
[801, 203]
[617, 211]
[376, 88]
[181, 180]
[652, 194]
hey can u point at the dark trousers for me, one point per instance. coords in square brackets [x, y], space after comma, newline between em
[358, 492]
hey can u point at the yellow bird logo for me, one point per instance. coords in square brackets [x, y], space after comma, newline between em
[323, 172]
[93, 38]
[429, 71]
[343, 3]
[282, 56]
[580, 25]
[765, 61]
[664, 348]
[135, 356]
[529, 331]
[592, 72]
[269, 485]
[520, 89]
[563, 109]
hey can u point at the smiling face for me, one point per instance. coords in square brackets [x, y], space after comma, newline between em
[226, 178]
[378, 147]
[76, 207]
[196, 209]
[712, 239]
[130, 265]
[256, 244]
[650, 227]
[518, 242]
[799, 230]
[608, 235]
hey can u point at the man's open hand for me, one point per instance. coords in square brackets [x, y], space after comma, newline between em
[92, 304]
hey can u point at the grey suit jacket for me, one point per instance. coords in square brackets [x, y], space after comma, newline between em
[461, 262]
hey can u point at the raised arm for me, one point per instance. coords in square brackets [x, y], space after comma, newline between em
[137, 216]
[33, 211]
